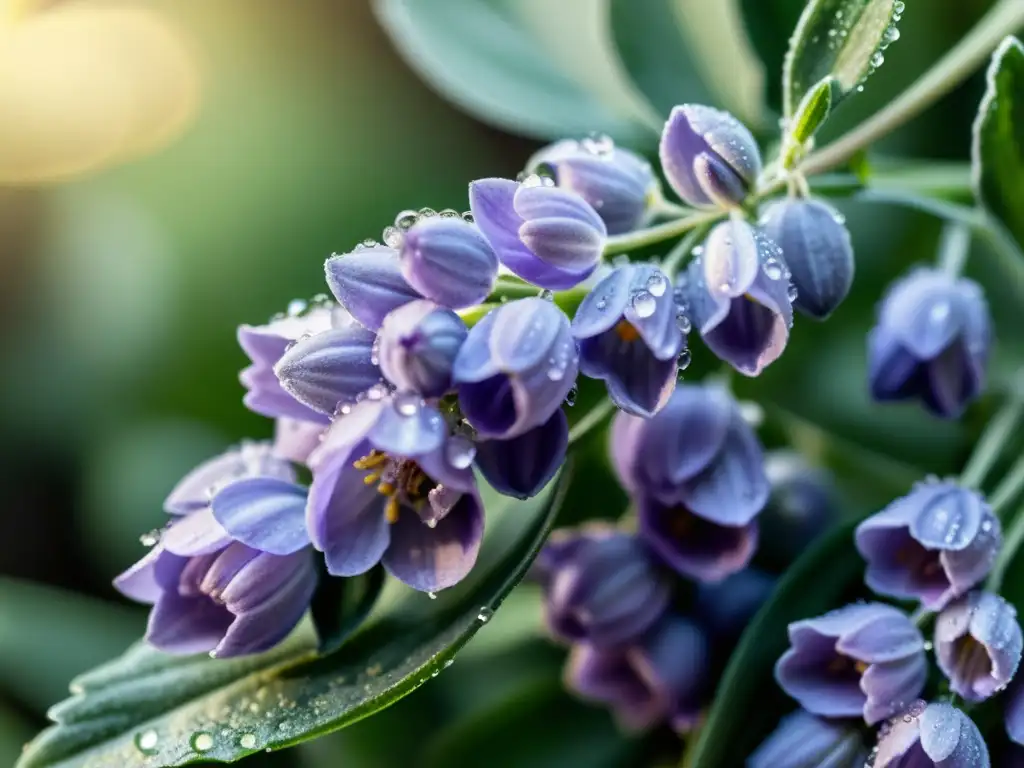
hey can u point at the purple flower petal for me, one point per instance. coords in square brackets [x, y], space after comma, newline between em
[449, 261]
[195, 490]
[295, 440]
[264, 513]
[186, 625]
[524, 465]
[332, 367]
[369, 284]
[146, 581]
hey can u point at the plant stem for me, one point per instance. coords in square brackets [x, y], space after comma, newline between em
[953, 248]
[952, 69]
[670, 229]
[682, 249]
[1009, 488]
[1011, 543]
[593, 418]
[992, 440]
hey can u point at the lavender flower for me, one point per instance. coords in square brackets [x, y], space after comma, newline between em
[933, 545]
[617, 183]
[802, 506]
[938, 736]
[865, 659]
[725, 608]
[328, 368]
[739, 297]
[709, 157]
[817, 249]
[931, 342]
[448, 261]
[515, 368]
[368, 282]
[265, 345]
[601, 587]
[978, 645]
[391, 485]
[210, 592]
[294, 439]
[629, 337]
[521, 466]
[660, 678]
[548, 236]
[805, 741]
[417, 346]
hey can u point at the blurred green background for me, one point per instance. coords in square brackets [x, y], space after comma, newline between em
[121, 291]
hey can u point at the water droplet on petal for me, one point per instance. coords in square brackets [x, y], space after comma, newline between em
[407, 403]
[547, 295]
[426, 213]
[393, 237]
[772, 269]
[683, 361]
[792, 292]
[467, 216]
[459, 451]
[406, 219]
[297, 306]
[657, 284]
[644, 304]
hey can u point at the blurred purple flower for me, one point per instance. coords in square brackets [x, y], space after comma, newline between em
[391, 485]
[739, 298]
[725, 608]
[601, 587]
[708, 156]
[515, 368]
[931, 342]
[936, 736]
[548, 236]
[449, 261]
[661, 678]
[933, 544]
[417, 346]
[805, 741]
[864, 659]
[803, 504]
[617, 183]
[978, 645]
[521, 466]
[1014, 712]
[629, 338]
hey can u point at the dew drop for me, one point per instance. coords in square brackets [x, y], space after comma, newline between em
[683, 361]
[485, 614]
[201, 741]
[146, 742]
[150, 538]
[877, 59]
[369, 243]
[644, 304]
[939, 312]
[891, 35]
[406, 219]
[468, 217]
[657, 284]
[532, 180]
[547, 295]
[247, 740]
[570, 397]
[459, 451]
[683, 322]
[602, 304]
[297, 306]
[432, 595]
[598, 144]
[449, 213]
[393, 237]
[792, 292]
[898, 7]
[426, 213]
[407, 403]
[772, 269]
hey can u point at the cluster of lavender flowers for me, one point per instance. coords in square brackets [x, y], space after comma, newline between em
[867, 662]
[644, 641]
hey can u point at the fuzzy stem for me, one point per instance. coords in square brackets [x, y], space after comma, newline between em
[593, 419]
[992, 440]
[953, 248]
[666, 231]
[1009, 488]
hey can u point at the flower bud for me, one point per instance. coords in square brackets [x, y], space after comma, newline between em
[817, 249]
[449, 261]
[417, 345]
[710, 159]
[523, 465]
[548, 236]
[368, 282]
[739, 297]
[515, 368]
[617, 183]
[329, 368]
[978, 645]
[931, 342]
[936, 736]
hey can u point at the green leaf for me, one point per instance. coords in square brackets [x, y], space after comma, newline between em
[843, 39]
[998, 149]
[340, 606]
[747, 702]
[495, 59]
[677, 51]
[148, 708]
[813, 111]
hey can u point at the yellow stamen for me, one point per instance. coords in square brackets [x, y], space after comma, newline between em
[412, 485]
[391, 510]
[386, 489]
[371, 478]
[373, 459]
[861, 667]
[626, 331]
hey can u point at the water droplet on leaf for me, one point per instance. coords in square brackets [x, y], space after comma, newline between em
[201, 741]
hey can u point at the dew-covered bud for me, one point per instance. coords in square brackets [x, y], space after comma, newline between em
[739, 297]
[548, 236]
[709, 157]
[601, 586]
[616, 182]
[329, 368]
[866, 659]
[516, 367]
[629, 337]
[978, 645]
[449, 261]
[805, 741]
[803, 504]
[816, 246]
[935, 736]
[934, 544]
[931, 342]
[521, 466]
[368, 282]
[417, 345]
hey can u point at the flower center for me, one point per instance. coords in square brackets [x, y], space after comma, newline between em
[401, 481]
[626, 331]
[843, 664]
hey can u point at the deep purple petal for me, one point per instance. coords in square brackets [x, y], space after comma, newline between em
[146, 581]
[430, 559]
[525, 334]
[265, 514]
[369, 283]
[332, 367]
[475, 363]
[187, 625]
[417, 346]
[608, 677]
[891, 685]
[196, 534]
[672, 659]
[449, 261]
[524, 465]
[638, 383]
